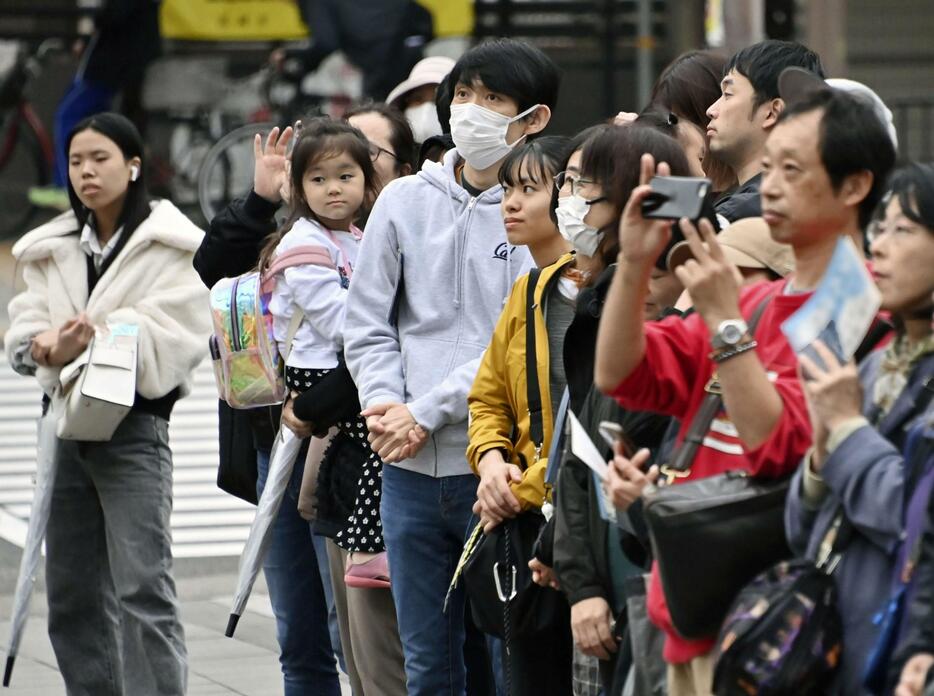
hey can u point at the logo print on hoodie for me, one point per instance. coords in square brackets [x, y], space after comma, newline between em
[502, 251]
[345, 281]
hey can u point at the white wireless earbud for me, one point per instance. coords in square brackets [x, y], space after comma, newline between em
[134, 172]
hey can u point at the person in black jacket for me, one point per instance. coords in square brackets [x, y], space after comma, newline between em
[384, 38]
[589, 557]
[125, 40]
[295, 567]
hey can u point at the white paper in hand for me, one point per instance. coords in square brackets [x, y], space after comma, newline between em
[584, 448]
[840, 311]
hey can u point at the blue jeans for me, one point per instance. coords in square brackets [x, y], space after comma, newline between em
[424, 523]
[297, 596]
[82, 99]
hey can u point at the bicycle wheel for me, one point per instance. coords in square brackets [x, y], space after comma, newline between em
[189, 143]
[22, 167]
[227, 169]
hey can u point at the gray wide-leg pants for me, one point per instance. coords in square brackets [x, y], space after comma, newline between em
[113, 615]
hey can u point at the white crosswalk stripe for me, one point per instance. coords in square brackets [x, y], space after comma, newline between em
[205, 520]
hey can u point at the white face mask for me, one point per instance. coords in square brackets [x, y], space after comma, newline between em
[424, 121]
[480, 134]
[571, 212]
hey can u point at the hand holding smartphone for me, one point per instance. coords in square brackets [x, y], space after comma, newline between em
[675, 197]
[613, 432]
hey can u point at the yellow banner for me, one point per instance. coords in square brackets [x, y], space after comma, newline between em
[232, 20]
[452, 17]
[278, 20]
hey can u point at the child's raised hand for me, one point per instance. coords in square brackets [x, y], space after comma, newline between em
[269, 167]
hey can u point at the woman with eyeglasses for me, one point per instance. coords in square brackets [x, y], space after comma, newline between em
[392, 145]
[592, 559]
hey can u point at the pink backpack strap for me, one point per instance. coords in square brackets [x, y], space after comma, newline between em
[313, 254]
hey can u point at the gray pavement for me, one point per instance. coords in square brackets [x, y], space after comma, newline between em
[246, 665]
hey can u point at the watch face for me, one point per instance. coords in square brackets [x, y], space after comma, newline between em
[731, 334]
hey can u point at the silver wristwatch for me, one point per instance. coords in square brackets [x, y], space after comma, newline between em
[729, 334]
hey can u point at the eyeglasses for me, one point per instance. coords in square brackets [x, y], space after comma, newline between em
[376, 151]
[576, 182]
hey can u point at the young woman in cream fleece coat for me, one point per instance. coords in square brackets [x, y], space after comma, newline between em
[112, 606]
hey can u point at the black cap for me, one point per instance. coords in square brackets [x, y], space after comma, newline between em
[797, 84]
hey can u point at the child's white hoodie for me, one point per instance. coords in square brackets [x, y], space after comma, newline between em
[320, 292]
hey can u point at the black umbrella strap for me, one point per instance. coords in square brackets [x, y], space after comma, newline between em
[507, 621]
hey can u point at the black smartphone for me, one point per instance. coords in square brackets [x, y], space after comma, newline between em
[675, 197]
[612, 433]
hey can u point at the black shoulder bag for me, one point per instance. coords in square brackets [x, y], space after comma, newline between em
[504, 601]
[713, 535]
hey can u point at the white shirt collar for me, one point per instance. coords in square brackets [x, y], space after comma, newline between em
[91, 245]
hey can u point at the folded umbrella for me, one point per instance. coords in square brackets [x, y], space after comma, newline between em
[281, 463]
[35, 534]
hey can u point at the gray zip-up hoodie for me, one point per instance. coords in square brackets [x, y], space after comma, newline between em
[432, 274]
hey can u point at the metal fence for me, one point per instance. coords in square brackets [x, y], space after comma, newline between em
[914, 119]
[596, 35]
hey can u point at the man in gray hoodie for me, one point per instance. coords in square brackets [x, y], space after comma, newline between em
[432, 275]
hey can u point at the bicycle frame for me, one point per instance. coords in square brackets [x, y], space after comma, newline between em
[25, 114]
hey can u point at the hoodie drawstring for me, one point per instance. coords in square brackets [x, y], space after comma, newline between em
[457, 245]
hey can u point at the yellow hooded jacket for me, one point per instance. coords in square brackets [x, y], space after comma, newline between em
[498, 400]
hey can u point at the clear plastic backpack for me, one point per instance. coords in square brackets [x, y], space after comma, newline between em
[248, 368]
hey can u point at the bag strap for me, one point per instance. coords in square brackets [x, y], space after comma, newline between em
[536, 425]
[306, 254]
[680, 465]
[298, 315]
